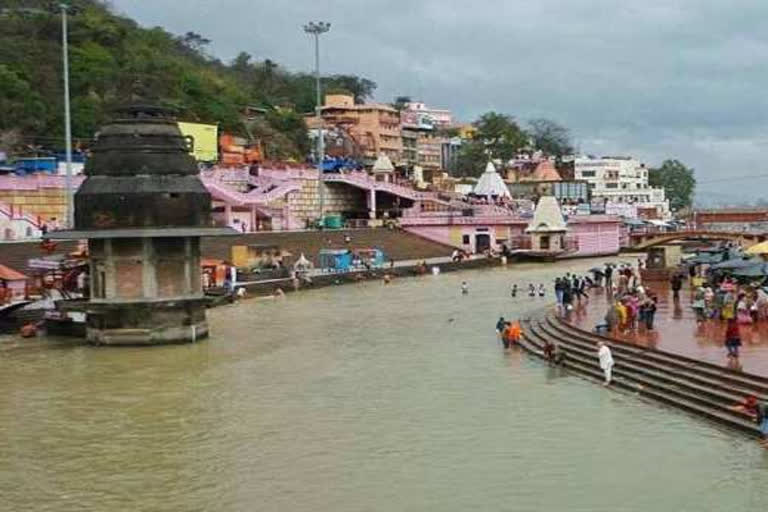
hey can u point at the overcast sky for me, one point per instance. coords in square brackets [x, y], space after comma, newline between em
[656, 79]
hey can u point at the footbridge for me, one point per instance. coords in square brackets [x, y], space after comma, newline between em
[643, 241]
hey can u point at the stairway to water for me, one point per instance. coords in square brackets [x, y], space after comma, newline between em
[695, 386]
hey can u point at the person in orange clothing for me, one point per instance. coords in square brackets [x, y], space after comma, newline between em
[515, 331]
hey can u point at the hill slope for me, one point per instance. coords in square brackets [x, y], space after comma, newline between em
[113, 61]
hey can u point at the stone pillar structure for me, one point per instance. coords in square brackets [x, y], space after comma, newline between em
[143, 209]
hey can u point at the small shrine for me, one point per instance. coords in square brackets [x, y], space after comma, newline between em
[547, 228]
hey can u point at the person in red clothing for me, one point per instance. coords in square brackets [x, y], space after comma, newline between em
[732, 338]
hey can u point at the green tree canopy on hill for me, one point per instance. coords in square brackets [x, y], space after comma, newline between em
[114, 61]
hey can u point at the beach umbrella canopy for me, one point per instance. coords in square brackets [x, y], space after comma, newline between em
[761, 248]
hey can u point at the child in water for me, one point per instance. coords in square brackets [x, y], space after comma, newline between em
[464, 288]
[541, 290]
[514, 290]
[531, 290]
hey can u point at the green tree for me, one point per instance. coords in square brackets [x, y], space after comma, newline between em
[677, 180]
[498, 136]
[401, 102]
[550, 137]
[114, 61]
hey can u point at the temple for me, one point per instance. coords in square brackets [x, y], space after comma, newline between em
[143, 209]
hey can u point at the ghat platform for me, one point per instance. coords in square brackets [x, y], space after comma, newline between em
[676, 331]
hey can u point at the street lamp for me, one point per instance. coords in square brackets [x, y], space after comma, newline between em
[315, 29]
[67, 116]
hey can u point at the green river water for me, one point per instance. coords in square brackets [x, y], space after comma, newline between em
[363, 397]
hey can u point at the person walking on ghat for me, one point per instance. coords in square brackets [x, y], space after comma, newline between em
[677, 284]
[608, 276]
[606, 361]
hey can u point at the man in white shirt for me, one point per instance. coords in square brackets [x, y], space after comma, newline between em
[606, 361]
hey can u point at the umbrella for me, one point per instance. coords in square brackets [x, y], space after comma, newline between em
[596, 270]
[761, 248]
[734, 264]
[760, 270]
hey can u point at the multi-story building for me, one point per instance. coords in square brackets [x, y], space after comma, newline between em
[410, 146]
[374, 127]
[429, 150]
[450, 148]
[622, 180]
[440, 117]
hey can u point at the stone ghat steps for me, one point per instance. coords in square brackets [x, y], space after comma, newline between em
[743, 382]
[396, 244]
[16, 254]
[705, 391]
[694, 390]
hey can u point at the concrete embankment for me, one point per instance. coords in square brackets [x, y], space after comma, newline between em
[697, 387]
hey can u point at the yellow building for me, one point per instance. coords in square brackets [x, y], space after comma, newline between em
[205, 140]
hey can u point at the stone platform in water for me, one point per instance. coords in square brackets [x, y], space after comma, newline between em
[676, 331]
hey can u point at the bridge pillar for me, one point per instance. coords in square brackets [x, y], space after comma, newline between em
[372, 203]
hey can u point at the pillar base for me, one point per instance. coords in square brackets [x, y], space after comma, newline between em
[146, 323]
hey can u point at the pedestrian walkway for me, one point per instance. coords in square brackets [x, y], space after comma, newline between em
[676, 331]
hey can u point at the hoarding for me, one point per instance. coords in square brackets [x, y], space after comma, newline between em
[206, 140]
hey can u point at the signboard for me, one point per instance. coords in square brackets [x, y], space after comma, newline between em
[205, 140]
[417, 120]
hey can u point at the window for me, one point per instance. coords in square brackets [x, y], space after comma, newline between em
[611, 185]
[465, 239]
[587, 174]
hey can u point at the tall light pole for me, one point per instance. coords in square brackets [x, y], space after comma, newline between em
[315, 29]
[67, 117]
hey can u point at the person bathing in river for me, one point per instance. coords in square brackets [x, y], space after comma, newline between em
[541, 290]
[464, 288]
[501, 325]
[531, 290]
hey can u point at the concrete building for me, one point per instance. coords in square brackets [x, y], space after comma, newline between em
[16, 225]
[429, 150]
[440, 118]
[622, 180]
[143, 210]
[375, 127]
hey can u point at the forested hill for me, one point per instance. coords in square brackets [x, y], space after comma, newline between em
[114, 61]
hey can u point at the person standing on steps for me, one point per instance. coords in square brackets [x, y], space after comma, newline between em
[732, 338]
[606, 361]
[677, 284]
[559, 291]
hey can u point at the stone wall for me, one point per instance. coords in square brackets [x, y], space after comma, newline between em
[305, 204]
[46, 203]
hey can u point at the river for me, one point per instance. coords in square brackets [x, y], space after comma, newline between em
[359, 397]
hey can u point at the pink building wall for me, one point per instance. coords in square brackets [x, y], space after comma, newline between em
[595, 235]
